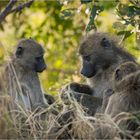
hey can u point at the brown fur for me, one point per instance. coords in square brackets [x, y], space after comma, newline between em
[92, 46]
[20, 80]
[127, 90]
[106, 95]
[126, 99]
[105, 56]
[89, 103]
[121, 71]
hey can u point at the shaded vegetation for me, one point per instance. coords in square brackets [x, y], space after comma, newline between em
[59, 27]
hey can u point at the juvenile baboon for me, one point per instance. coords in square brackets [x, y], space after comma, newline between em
[121, 71]
[126, 97]
[106, 95]
[20, 76]
[124, 104]
[100, 56]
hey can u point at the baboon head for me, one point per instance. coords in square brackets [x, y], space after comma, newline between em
[122, 72]
[29, 55]
[98, 53]
[129, 84]
[124, 69]
[136, 85]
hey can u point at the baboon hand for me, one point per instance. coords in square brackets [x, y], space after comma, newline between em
[71, 93]
[39, 106]
[74, 91]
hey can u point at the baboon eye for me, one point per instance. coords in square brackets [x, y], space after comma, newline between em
[19, 51]
[105, 43]
[86, 58]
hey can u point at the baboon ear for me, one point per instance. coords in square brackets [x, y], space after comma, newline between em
[118, 74]
[19, 51]
[105, 43]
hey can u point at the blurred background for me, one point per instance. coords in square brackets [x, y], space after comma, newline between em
[59, 25]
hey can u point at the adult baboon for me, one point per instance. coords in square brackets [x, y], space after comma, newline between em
[100, 56]
[126, 98]
[20, 77]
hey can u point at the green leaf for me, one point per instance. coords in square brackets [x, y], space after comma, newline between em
[118, 26]
[130, 11]
[122, 9]
[128, 33]
[67, 13]
[125, 33]
[94, 12]
[91, 26]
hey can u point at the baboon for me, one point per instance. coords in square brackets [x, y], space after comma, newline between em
[20, 76]
[121, 71]
[87, 101]
[126, 98]
[100, 56]
[126, 82]
[106, 95]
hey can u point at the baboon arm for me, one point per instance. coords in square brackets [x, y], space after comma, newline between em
[106, 95]
[88, 102]
[80, 88]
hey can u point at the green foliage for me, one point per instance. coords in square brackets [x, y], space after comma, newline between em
[67, 13]
[94, 12]
[59, 27]
[128, 16]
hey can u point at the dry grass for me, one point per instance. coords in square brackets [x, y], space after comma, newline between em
[59, 120]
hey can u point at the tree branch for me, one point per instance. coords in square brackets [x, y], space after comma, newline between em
[9, 8]
[20, 7]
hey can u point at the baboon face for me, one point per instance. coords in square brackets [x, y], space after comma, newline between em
[124, 70]
[29, 54]
[124, 76]
[130, 83]
[97, 54]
